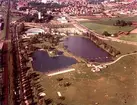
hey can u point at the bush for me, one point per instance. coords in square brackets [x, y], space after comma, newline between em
[122, 23]
[106, 33]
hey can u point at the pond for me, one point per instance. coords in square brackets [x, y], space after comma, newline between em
[43, 63]
[85, 48]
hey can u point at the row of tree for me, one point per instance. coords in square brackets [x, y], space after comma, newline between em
[111, 50]
[43, 5]
[34, 18]
[122, 23]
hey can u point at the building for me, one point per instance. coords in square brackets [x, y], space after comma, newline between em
[34, 31]
[62, 20]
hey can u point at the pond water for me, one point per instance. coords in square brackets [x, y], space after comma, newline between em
[43, 63]
[85, 48]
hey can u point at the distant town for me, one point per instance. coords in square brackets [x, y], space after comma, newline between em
[68, 52]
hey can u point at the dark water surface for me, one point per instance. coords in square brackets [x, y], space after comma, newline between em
[43, 63]
[79, 46]
[85, 48]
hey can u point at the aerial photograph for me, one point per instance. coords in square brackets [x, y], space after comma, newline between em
[68, 52]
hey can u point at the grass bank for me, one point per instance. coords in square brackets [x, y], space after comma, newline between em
[130, 37]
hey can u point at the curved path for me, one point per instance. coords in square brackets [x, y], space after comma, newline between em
[107, 64]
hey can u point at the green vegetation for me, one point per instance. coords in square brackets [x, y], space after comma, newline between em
[122, 47]
[111, 21]
[130, 37]
[106, 33]
[100, 28]
[107, 24]
[40, 5]
[122, 23]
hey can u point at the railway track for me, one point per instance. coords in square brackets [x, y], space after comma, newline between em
[6, 59]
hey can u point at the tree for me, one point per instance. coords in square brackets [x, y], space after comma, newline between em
[123, 23]
[117, 22]
[129, 23]
[48, 101]
[2, 26]
[106, 33]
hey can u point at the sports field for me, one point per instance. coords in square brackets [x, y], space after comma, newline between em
[100, 28]
[106, 24]
[111, 21]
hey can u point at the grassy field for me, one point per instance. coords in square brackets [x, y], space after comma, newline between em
[111, 21]
[106, 24]
[100, 28]
[131, 37]
[111, 86]
[122, 47]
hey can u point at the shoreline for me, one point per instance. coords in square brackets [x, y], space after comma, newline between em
[57, 72]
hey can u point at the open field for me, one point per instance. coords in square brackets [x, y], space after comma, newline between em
[131, 37]
[123, 48]
[106, 24]
[100, 28]
[109, 21]
[111, 86]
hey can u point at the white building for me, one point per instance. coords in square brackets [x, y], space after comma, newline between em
[34, 31]
[62, 20]
[39, 15]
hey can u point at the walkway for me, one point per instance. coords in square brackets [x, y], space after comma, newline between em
[61, 72]
[107, 64]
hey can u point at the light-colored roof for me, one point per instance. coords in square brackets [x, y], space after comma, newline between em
[34, 31]
[42, 94]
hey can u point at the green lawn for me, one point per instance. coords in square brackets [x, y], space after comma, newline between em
[100, 28]
[122, 47]
[131, 37]
[111, 21]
